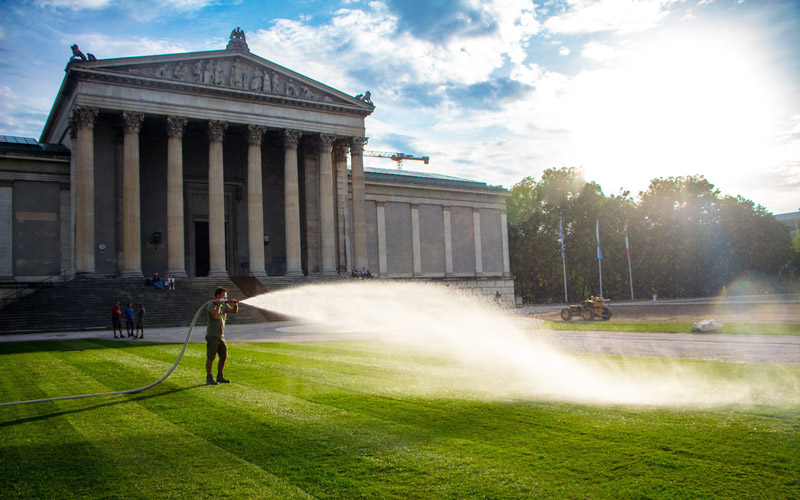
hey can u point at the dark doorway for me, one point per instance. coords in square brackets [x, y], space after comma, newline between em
[202, 259]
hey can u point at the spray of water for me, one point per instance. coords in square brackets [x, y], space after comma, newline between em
[490, 355]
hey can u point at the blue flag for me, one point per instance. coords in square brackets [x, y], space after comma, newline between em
[597, 231]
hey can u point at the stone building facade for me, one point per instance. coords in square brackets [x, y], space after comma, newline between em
[222, 163]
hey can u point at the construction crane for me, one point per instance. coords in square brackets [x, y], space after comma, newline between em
[397, 157]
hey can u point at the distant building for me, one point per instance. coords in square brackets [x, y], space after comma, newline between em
[221, 163]
[791, 219]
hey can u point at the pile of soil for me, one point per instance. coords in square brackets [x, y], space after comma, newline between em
[726, 313]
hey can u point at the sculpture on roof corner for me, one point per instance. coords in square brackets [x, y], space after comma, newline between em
[77, 55]
[365, 97]
[238, 41]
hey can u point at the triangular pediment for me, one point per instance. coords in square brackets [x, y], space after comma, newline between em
[225, 70]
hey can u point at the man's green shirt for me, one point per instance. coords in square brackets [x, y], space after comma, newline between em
[216, 327]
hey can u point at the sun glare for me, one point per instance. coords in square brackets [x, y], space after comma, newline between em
[689, 102]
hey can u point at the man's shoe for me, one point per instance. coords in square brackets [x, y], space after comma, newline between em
[222, 380]
[210, 380]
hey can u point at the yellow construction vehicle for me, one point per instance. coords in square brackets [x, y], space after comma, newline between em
[588, 310]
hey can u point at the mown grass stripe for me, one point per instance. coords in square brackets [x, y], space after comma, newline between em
[139, 449]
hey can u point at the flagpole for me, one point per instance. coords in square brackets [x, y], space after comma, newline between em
[628, 251]
[599, 256]
[563, 261]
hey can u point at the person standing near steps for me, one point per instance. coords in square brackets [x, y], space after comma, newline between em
[215, 334]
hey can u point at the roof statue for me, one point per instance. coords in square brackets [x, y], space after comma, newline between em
[366, 97]
[77, 55]
[238, 41]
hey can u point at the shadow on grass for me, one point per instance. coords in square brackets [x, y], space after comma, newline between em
[94, 407]
[25, 347]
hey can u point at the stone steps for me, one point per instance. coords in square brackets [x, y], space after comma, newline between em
[85, 304]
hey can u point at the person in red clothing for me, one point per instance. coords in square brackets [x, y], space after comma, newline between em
[115, 320]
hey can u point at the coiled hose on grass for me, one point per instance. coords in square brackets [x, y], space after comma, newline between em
[130, 391]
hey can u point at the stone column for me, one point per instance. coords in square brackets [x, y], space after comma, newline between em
[6, 229]
[84, 190]
[327, 217]
[359, 218]
[216, 200]
[476, 224]
[342, 222]
[292, 203]
[415, 242]
[311, 219]
[448, 243]
[73, 192]
[131, 215]
[383, 267]
[504, 233]
[255, 201]
[176, 260]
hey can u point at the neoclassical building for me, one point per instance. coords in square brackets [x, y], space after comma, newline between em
[222, 163]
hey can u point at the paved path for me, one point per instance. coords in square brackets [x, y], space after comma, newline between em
[775, 349]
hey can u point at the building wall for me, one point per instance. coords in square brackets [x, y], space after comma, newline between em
[37, 228]
[431, 236]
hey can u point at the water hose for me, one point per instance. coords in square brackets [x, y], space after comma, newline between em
[130, 391]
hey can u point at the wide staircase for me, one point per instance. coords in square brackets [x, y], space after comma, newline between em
[85, 304]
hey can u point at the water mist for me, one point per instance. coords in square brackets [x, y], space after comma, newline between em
[490, 355]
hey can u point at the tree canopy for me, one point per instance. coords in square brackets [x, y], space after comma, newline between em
[686, 239]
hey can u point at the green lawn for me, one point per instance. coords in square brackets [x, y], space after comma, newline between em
[670, 327]
[360, 420]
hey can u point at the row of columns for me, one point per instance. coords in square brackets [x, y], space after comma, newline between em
[82, 129]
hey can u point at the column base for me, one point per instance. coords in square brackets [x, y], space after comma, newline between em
[132, 274]
[258, 274]
[178, 273]
[298, 273]
[220, 273]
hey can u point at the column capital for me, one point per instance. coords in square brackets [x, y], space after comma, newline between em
[216, 130]
[84, 116]
[176, 126]
[255, 134]
[290, 138]
[357, 145]
[133, 121]
[73, 127]
[340, 152]
[325, 142]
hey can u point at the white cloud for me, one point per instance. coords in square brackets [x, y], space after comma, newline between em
[621, 16]
[73, 4]
[109, 47]
[601, 52]
[564, 51]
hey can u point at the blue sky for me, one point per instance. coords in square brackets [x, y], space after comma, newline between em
[492, 90]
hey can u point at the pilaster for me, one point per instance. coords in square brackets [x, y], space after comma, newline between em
[448, 242]
[383, 267]
[476, 224]
[415, 241]
[6, 230]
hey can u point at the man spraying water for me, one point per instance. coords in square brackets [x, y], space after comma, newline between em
[215, 334]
